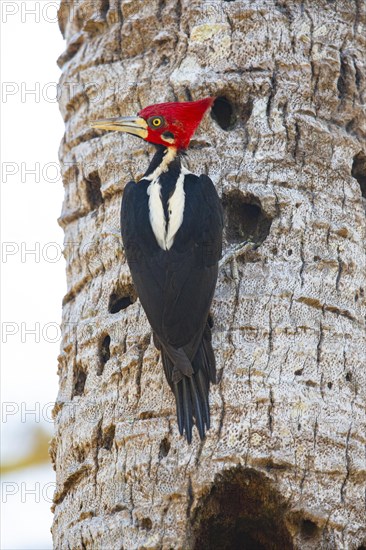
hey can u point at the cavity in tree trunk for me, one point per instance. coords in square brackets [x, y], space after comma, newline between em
[283, 465]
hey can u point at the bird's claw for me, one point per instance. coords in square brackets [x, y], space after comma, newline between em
[234, 253]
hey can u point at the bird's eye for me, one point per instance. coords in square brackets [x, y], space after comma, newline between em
[155, 121]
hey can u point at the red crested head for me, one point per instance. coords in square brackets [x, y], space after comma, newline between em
[168, 124]
[173, 124]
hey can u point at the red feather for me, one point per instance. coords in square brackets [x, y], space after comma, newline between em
[181, 119]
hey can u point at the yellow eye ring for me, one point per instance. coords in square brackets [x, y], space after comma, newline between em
[156, 122]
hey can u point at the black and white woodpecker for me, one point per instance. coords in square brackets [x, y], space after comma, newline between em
[171, 224]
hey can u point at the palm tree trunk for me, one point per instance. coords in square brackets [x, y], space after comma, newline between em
[284, 464]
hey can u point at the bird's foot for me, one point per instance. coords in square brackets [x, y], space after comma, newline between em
[234, 253]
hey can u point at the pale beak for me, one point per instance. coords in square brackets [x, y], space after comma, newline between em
[134, 125]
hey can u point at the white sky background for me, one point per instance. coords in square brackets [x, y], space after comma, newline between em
[32, 285]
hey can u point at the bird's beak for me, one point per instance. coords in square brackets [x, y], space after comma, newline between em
[134, 125]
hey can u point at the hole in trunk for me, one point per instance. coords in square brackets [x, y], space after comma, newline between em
[121, 298]
[241, 511]
[79, 381]
[309, 529]
[342, 79]
[92, 190]
[104, 354]
[105, 7]
[164, 448]
[146, 524]
[108, 437]
[244, 218]
[359, 171]
[223, 113]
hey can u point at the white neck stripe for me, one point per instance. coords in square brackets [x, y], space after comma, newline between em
[175, 209]
[168, 157]
[166, 230]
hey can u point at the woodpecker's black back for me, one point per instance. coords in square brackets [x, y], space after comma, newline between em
[176, 285]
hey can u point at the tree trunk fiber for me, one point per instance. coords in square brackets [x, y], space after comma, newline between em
[283, 466]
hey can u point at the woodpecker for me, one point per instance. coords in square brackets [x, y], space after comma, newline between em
[171, 225]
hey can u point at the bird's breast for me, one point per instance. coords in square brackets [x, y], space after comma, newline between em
[166, 219]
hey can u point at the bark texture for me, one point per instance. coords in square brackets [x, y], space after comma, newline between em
[284, 464]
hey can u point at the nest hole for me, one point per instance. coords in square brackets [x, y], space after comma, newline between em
[108, 437]
[164, 448]
[93, 190]
[146, 524]
[105, 6]
[79, 381]
[342, 79]
[359, 171]
[223, 112]
[104, 354]
[122, 298]
[241, 511]
[187, 91]
[244, 219]
[308, 529]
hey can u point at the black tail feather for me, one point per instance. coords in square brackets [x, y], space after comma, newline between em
[197, 407]
[209, 356]
[191, 392]
[187, 409]
[177, 389]
[203, 389]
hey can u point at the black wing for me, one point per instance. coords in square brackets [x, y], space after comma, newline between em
[192, 274]
[175, 287]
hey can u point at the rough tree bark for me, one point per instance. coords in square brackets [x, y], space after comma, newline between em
[284, 463]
